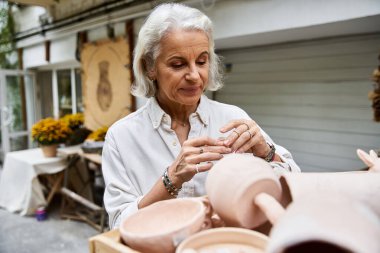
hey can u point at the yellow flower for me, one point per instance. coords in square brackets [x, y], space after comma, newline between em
[50, 131]
[99, 134]
[73, 120]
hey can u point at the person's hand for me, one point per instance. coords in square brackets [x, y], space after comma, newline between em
[245, 137]
[195, 157]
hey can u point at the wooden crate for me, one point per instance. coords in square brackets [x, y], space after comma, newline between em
[109, 242]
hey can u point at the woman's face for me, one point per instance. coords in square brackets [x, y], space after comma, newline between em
[182, 67]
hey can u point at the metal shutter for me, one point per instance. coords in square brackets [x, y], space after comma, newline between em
[310, 97]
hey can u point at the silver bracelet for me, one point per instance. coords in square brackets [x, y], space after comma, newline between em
[169, 186]
[270, 156]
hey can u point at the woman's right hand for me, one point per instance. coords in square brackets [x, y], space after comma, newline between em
[196, 156]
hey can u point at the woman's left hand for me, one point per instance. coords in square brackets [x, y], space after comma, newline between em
[245, 137]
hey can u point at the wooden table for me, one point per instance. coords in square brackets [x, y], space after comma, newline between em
[93, 214]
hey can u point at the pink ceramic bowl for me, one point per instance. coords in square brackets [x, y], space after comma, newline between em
[224, 240]
[161, 226]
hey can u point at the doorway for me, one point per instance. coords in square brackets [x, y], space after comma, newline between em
[17, 110]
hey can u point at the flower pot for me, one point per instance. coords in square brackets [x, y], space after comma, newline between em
[49, 150]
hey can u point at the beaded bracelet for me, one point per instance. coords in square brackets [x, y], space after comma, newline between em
[169, 186]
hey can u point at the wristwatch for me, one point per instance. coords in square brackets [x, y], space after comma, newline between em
[270, 156]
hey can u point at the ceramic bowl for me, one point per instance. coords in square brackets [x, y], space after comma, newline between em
[161, 226]
[230, 239]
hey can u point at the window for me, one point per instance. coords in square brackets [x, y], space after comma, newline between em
[65, 102]
[60, 92]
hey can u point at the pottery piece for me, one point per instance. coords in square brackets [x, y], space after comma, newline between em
[371, 160]
[232, 185]
[160, 227]
[334, 223]
[360, 186]
[232, 240]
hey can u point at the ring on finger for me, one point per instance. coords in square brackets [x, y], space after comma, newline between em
[236, 132]
[246, 126]
[201, 150]
[250, 135]
[197, 167]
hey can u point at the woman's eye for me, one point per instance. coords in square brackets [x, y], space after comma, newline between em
[201, 62]
[177, 65]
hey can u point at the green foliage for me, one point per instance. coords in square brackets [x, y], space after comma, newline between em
[7, 32]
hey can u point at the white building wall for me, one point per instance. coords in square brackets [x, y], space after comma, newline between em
[63, 50]
[34, 56]
[242, 17]
[27, 17]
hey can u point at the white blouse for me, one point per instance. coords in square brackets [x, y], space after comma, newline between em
[139, 147]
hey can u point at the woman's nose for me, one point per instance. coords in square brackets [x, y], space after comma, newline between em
[193, 74]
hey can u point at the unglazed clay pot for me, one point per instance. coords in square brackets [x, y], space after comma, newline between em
[371, 160]
[231, 240]
[333, 223]
[232, 185]
[161, 226]
[360, 186]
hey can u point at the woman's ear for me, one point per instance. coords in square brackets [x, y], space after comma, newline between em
[150, 71]
[152, 75]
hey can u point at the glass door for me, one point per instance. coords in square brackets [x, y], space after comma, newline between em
[17, 104]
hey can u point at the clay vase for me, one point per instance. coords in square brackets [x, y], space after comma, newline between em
[232, 185]
[224, 240]
[371, 160]
[360, 186]
[49, 150]
[161, 226]
[334, 223]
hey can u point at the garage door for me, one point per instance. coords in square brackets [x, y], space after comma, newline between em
[311, 97]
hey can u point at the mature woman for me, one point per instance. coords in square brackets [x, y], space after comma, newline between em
[165, 149]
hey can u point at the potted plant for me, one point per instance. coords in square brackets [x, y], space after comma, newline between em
[94, 142]
[48, 133]
[79, 131]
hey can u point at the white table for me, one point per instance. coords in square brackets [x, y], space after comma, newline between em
[20, 189]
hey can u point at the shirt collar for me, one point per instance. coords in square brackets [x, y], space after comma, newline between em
[203, 110]
[156, 113]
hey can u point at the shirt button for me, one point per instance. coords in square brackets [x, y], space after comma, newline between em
[174, 143]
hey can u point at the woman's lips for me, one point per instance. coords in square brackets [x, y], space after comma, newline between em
[190, 90]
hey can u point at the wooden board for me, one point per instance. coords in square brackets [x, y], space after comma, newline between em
[108, 242]
[106, 82]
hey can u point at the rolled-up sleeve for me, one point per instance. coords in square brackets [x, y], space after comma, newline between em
[120, 197]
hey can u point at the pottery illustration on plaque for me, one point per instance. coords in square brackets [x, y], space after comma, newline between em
[104, 89]
[161, 226]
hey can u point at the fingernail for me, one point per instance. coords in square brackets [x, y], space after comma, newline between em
[226, 142]
[227, 150]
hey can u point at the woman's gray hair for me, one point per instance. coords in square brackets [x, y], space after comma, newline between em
[164, 18]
